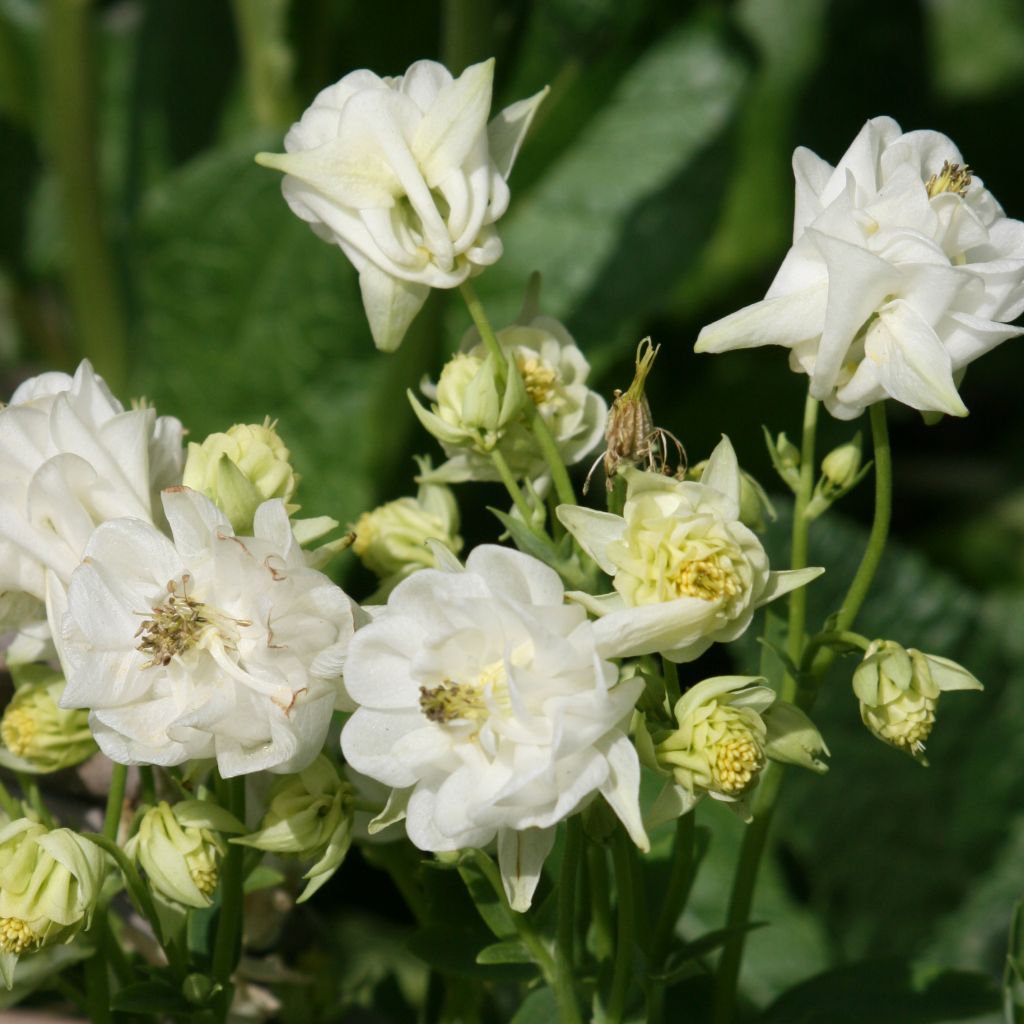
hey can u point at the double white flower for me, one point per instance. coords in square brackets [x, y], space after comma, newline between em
[210, 646]
[483, 697]
[687, 572]
[903, 270]
[408, 178]
[72, 457]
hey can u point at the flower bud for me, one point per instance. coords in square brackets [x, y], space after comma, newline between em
[50, 880]
[392, 540]
[310, 815]
[899, 689]
[728, 728]
[756, 507]
[785, 458]
[39, 733]
[240, 470]
[841, 466]
[180, 849]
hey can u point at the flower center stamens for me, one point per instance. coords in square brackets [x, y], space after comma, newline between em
[539, 379]
[706, 579]
[452, 701]
[175, 626]
[736, 764]
[952, 178]
[17, 731]
[17, 937]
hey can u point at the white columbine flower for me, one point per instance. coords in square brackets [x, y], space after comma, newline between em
[903, 270]
[405, 175]
[208, 646]
[72, 457]
[483, 697]
[687, 572]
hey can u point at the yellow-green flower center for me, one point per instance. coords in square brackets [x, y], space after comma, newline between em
[705, 578]
[18, 731]
[952, 178]
[452, 701]
[540, 379]
[736, 763]
[175, 626]
[17, 936]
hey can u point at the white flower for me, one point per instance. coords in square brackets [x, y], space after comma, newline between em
[408, 178]
[483, 697]
[210, 646]
[903, 270]
[72, 457]
[553, 372]
[687, 572]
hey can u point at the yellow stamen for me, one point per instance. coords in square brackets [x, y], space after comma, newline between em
[17, 731]
[952, 178]
[17, 937]
[737, 763]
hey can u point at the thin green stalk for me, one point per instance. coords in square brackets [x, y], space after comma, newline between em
[831, 638]
[872, 556]
[115, 802]
[147, 784]
[567, 896]
[227, 944]
[465, 32]
[267, 61]
[623, 969]
[513, 488]
[670, 673]
[91, 275]
[745, 877]
[34, 797]
[600, 904]
[482, 323]
[529, 938]
[97, 984]
[11, 807]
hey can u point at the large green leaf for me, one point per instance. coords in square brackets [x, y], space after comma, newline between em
[245, 313]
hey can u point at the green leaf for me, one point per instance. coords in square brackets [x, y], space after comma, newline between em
[887, 992]
[539, 1007]
[150, 997]
[246, 313]
[263, 877]
[504, 953]
[454, 950]
[680, 960]
[634, 181]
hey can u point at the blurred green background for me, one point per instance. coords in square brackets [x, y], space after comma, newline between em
[655, 195]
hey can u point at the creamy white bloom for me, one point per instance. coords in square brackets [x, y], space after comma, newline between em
[553, 373]
[903, 270]
[405, 175]
[208, 646]
[687, 573]
[72, 457]
[485, 703]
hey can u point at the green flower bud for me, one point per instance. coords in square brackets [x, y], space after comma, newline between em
[898, 692]
[785, 458]
[310, 816]
[40, 734]
[841, 466]
[50, 880]
[180, 849]
[475, 400]
[728, 728]
[240, 470]
[391, 541]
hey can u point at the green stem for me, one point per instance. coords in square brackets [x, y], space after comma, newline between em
[115, 802]
[465, 32]
[832, 638]
[11, 807]
[529, 938]
[565, 948]
[600, 905]
[872, 557]
[97, 983]
[745, 877]
[34, 797]
[623, 968]
[262, 29]
[147, 784]
[800, 538]
[670, 673]
[511, 485]
[482, 324]
[91, 275]
[227, 944]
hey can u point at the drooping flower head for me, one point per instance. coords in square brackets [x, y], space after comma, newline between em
[50, 880]
[899, 689]
[210, 645]
[726, 730]
[687, 572]
[405, 175]
[903, 270]
[483, 697]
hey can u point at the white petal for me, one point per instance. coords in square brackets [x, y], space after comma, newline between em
[516, 576]
[780, 583]
[521, 856]
[391, 305]
[507, 130]
[722, 473]
[784, 320]
[622, 789]
[594, 531]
